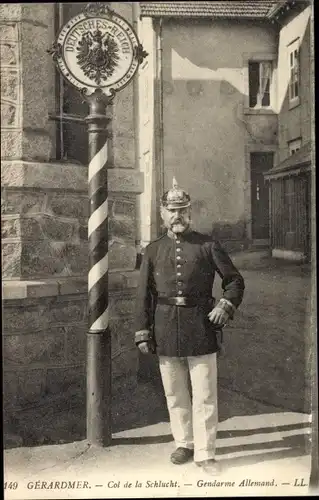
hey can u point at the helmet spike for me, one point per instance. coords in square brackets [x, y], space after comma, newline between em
[175, 197]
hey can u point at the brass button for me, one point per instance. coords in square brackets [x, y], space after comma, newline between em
[180, 292]
[179, 274]
[178, 257]
[178, 249]
[179, 283]
[177, 241]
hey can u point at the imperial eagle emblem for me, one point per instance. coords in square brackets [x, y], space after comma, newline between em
[98, 56]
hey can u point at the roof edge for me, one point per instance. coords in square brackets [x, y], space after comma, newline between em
[275, 10]
[299, 160]
[283, 6]
[192, 15]
[300, 168]
[201, 16]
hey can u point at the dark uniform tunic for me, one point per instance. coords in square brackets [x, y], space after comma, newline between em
[183, 267]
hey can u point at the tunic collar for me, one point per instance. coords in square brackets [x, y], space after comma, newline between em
[179, 236]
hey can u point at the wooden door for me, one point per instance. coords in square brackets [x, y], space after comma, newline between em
[259, 164]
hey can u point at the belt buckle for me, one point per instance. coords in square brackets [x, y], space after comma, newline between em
[180, 301]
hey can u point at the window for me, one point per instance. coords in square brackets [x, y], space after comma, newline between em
[71, 131]
[294, 74]
[260, 75]
[294, 146]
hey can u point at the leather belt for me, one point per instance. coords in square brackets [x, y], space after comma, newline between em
[185, 301]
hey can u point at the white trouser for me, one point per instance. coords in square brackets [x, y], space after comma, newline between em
[190, 386]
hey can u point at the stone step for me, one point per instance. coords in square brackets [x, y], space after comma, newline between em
[120, 282]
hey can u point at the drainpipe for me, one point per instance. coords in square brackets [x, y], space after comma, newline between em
[136, 125]
[159, 131]
[135, 16]
[161, 109]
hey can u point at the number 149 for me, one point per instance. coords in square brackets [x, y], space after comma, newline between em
[9, 485]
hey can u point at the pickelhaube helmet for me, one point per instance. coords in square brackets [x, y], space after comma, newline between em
[175, 197]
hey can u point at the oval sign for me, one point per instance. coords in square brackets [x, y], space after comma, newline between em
[99, 51]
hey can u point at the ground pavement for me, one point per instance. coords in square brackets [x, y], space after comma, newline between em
[265, 454]
[264, 411]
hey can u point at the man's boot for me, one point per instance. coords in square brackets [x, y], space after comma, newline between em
[210, 466]
[181, 455]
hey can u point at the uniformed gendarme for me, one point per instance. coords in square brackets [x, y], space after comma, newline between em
[176, 317]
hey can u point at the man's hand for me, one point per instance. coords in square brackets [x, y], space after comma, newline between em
[218, 316]
[144, 347]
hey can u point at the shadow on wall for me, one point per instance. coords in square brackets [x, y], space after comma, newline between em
[223, 42]
[205, 129]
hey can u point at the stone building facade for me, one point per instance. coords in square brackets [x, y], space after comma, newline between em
[44, 223]
[203, 108]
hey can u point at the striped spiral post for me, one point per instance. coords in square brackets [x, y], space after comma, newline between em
[98, 413]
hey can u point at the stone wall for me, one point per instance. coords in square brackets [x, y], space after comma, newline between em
[44, 231]
[44, 228]
[44, 342]
[27, 81]
[44, 262]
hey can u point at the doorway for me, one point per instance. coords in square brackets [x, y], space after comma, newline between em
[259, 164]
